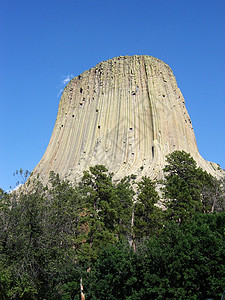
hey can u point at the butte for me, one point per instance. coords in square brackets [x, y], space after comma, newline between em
[126, 113]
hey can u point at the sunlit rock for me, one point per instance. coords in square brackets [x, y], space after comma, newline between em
[126, 113]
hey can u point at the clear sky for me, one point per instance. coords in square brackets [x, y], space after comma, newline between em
[45, 42]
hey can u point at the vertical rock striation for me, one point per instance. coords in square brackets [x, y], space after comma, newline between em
[126, 113]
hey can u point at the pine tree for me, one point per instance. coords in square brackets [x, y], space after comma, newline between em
[182, 186]
[147, 216]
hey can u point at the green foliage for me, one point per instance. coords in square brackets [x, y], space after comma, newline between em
[113, 276]
[188, 261]
[147, 216]
[50, 236]
[213, 193]
[183, 262]
[125, 194]
[106, 211]
[187, 188]
[35, 239]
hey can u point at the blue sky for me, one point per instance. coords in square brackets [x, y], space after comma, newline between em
[45, 41]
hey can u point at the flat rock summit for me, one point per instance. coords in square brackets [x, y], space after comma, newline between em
[126, 113]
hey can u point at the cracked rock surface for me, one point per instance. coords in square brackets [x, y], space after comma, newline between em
[126, 113]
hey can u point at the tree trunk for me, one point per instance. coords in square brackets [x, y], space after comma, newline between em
[81, 290]
[132, 243]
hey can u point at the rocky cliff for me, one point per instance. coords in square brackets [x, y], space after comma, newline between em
[126, 113]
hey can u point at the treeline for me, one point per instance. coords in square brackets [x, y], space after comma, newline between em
[124, 239]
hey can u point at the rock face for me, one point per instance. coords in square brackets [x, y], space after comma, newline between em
[126, 113]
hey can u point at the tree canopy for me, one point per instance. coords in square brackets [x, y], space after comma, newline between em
[52, 236]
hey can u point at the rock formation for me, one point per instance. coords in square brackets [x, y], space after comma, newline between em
[126, 113]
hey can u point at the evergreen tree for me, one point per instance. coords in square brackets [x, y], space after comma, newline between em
[183, 262]
[36, 253]
[213, 193]
[125, 194]
[187, 188]
[105, 213]
[113, 275]
[147, 216]
[50, 236]
[182, 186]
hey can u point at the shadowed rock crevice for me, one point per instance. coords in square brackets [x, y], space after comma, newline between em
[126, 113]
